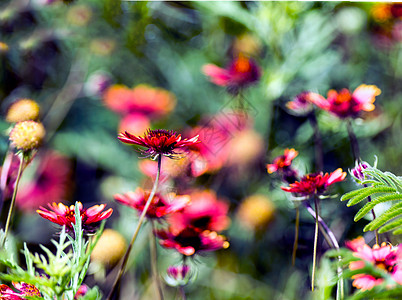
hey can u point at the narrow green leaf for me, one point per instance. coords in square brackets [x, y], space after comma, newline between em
[391, 225]
[351, 194]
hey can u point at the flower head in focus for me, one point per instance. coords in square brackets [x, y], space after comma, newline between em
[25, 290]
[23, 110]
[315, 184]
[385, 257]
[65, 215]
[241, 73]
[159, 142]
[27, 135]
[345, 104]
[190, 241]
[159, 207]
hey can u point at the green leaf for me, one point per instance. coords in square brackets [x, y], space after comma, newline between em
[391, 213]
[364, 193]
[370, 205]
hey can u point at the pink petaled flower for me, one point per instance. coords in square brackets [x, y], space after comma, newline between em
[283, 161]
[311, 184]
[25, 289]
[65, 215]
[191, 241]
[205, 212]
[357, 171]
[159, 207]
[159, 142]
[384, 257]
[302, 104]
[346, 104]
[143, 99]
[82, 291]
[241, 73]
[51, 182]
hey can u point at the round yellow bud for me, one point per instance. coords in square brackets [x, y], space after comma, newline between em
[110, 248]
[27, 135]
[22, 110]
[256, 211]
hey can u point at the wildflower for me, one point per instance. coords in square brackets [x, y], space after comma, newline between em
[25, 289]
[27, 135]
[51, 182]
[110, 248]
[302, 104]
[311, 184]
[65, 215]
[385, 257]
[357, 172]
[245, 147]
[205, 212]
[241, 73]
[190, 241]
[23, 110]
[159, 206]
[3, 48]
[82, 291]
[159, 142]
[141, 100]
[255, 212]
[283, 161]
[178, 275]
[345, 104]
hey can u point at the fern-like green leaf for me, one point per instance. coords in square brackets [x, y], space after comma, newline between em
[391, 213]
[370, 205]
[364, 193]
[351, 194]
[391, 225]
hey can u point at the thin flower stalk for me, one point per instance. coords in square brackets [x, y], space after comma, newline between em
[154, 261]
[315, 243]
[182, 293]
[296, 241]
[319, 160]
[10, 211]
[140, 221]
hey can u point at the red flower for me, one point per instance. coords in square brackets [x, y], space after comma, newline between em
[344, 104]
[159, 142]
[302, 104]
[315, 183]
[65, 215]
[190, 241]
[241, 73]
[205, 212]
[386, 258]
[26, 290]
[283, 161]
[159, 207]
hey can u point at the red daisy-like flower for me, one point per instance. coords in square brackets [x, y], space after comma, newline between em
[191, 241]
[26, 290]
[159, 207]
[346, 104]
[384, 257]
[311, 184]
[205, 212]
[241, 73]
[283, 161]
[65, 215]
[159, 142]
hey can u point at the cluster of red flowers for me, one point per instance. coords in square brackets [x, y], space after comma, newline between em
[385, 258]
[343, 104]
[387, 27]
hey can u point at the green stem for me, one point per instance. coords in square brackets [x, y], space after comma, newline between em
[182, 293]
[154, 261]
[10, 211]
[141, 220]
[315, 244]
